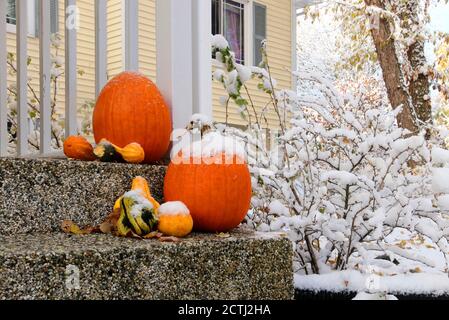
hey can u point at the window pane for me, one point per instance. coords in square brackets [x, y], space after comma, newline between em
[54, 16]
[260, 31]
[11, 12]
[233, 27]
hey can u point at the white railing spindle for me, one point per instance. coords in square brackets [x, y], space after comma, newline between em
[71, 13]
[45, 76]
[131, 34]
[22, 77]
[3, 84]
[101, 56]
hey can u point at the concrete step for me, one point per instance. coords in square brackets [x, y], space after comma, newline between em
[36, 195]
[246, 265]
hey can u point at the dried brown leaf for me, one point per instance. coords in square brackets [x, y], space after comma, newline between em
[223, 235]
[169, 239]
[153, 235]
[69, 226]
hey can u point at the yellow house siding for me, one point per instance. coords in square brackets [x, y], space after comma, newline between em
[115, 41]
[86, 52]
[279, 47]
[147, 38]
[279, 50]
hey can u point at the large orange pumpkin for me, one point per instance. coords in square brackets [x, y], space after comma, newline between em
[130, 109]
[217, 195]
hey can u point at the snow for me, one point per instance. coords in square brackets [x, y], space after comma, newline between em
[443, 202]
[343, 177]
[173, 208]
[201, 118]
[218, 41]
[245, 73]
[213, 144]
[276, 207]
[440, 156]
[440, 180]
[375, 296]
[218, 75]
[140, 202]
[355, 281]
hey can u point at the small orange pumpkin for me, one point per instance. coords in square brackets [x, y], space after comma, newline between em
[130, 109]
[174, 219]
[77, 147]
[217, 193]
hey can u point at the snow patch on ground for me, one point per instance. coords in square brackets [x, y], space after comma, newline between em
[375, 296]
[355, 281]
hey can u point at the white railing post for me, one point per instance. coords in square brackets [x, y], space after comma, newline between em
[131, 34]
[22, 77]
[71, 25]
[174, 57]
[3, 83]
[202, 60]
[101, 56]
[45, 76]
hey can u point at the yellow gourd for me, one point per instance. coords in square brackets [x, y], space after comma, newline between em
[132, 153]
[175, 219]
[108, 152]
[141, 184]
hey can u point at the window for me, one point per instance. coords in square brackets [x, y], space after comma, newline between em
[260, 31]
[54, 16]
[11, 12]
[33, 16]
[228, 20]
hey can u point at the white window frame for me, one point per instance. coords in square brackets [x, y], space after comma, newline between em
[247, 31]
[32, 13]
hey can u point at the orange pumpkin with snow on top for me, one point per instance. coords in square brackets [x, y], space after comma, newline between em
[217, 193]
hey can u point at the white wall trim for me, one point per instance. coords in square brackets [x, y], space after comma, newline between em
[294, 28]
[201, 58]
[249, 32]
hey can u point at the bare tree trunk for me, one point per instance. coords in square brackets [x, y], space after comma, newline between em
[419, 87]
[414, 98]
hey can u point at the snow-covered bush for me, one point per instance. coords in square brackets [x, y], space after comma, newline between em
[349, 187]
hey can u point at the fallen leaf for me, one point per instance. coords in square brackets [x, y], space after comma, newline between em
[153, 235]
[133, 235]
[416, 270]
[223, 235]
[106, 227]
[69, 226]
[169, 239]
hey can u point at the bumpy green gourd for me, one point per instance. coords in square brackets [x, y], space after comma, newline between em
[142, 223]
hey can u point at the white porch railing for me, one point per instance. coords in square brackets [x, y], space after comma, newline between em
[183, 62]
